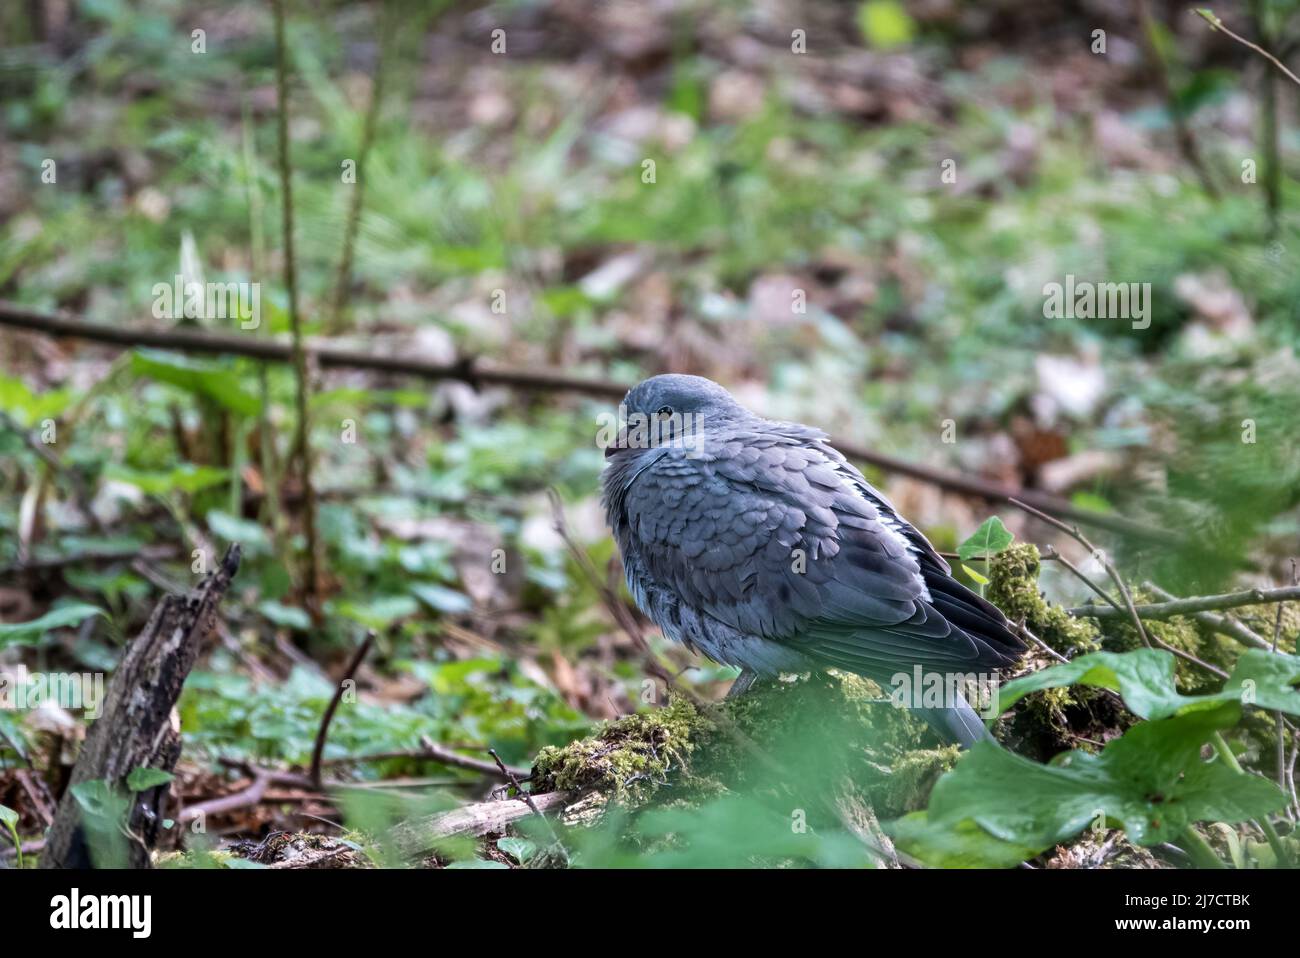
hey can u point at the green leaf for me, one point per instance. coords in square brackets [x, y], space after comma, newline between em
[960, 844]
[1144, 678]
[15, 633]
[884, 23]
[285, 615]
[442, 598]
[380, 612]
[9, 818]
[98, 798]
[143, 779]
[478, 863]
[246, 532]
[217, 382]
[979, 579]
[987, 541]
[520, 849]
[187, 478]
[1152, 780]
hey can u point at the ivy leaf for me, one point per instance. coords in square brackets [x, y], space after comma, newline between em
[15, 633]
[9, 818]
[987, 541]
[143, 779]
[1144, 678]
[1151, 780]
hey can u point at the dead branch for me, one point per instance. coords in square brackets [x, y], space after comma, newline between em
[420, 837]
[479, 372]
[138, 727]
[1204, 603]
[323, 732]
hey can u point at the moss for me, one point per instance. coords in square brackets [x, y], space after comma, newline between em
[1013, 588]
[1181, 633]
[910, 780]
[630, 758]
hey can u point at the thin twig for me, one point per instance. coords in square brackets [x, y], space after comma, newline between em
[513, 779]
[430, 752]
[343, 281]
[1217, 24]
[1223, 624]
[302, 443]
[1186, 139]
[318, 750]
[1051, 553]
[1203, 603]
[1100, 556]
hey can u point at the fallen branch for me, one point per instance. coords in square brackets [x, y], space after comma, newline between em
[420, 837]
[478, 372]
[138, 727]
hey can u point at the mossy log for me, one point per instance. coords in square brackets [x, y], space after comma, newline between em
[829, 749]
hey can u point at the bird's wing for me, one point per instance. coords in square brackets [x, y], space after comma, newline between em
[776, 535]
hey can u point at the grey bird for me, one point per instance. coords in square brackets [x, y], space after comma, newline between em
[757, 544]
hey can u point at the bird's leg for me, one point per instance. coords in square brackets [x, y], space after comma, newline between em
[744, 680]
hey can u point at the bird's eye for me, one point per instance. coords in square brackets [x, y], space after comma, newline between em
[664, 412]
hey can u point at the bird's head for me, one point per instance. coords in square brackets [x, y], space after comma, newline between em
[671, 410]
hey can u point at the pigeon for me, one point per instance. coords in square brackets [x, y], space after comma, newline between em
[758, 545]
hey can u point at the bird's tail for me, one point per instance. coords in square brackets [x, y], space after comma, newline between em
[960, 724]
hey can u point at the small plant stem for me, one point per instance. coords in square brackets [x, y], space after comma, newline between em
[1199, 849]
[1275, 842]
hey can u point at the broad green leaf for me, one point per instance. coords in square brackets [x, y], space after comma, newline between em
[961, 844]
[1152, 781]
[251, 536]
[380, 612]
[15, 633]
[143, 779]
[520, 849]
[285, 615]
[97, 797]
[29, 408]
[885, 23]
[187, 478]
[217, 382]
[442, 598]
[1144, 678]
[987, 541]
[9, 818]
